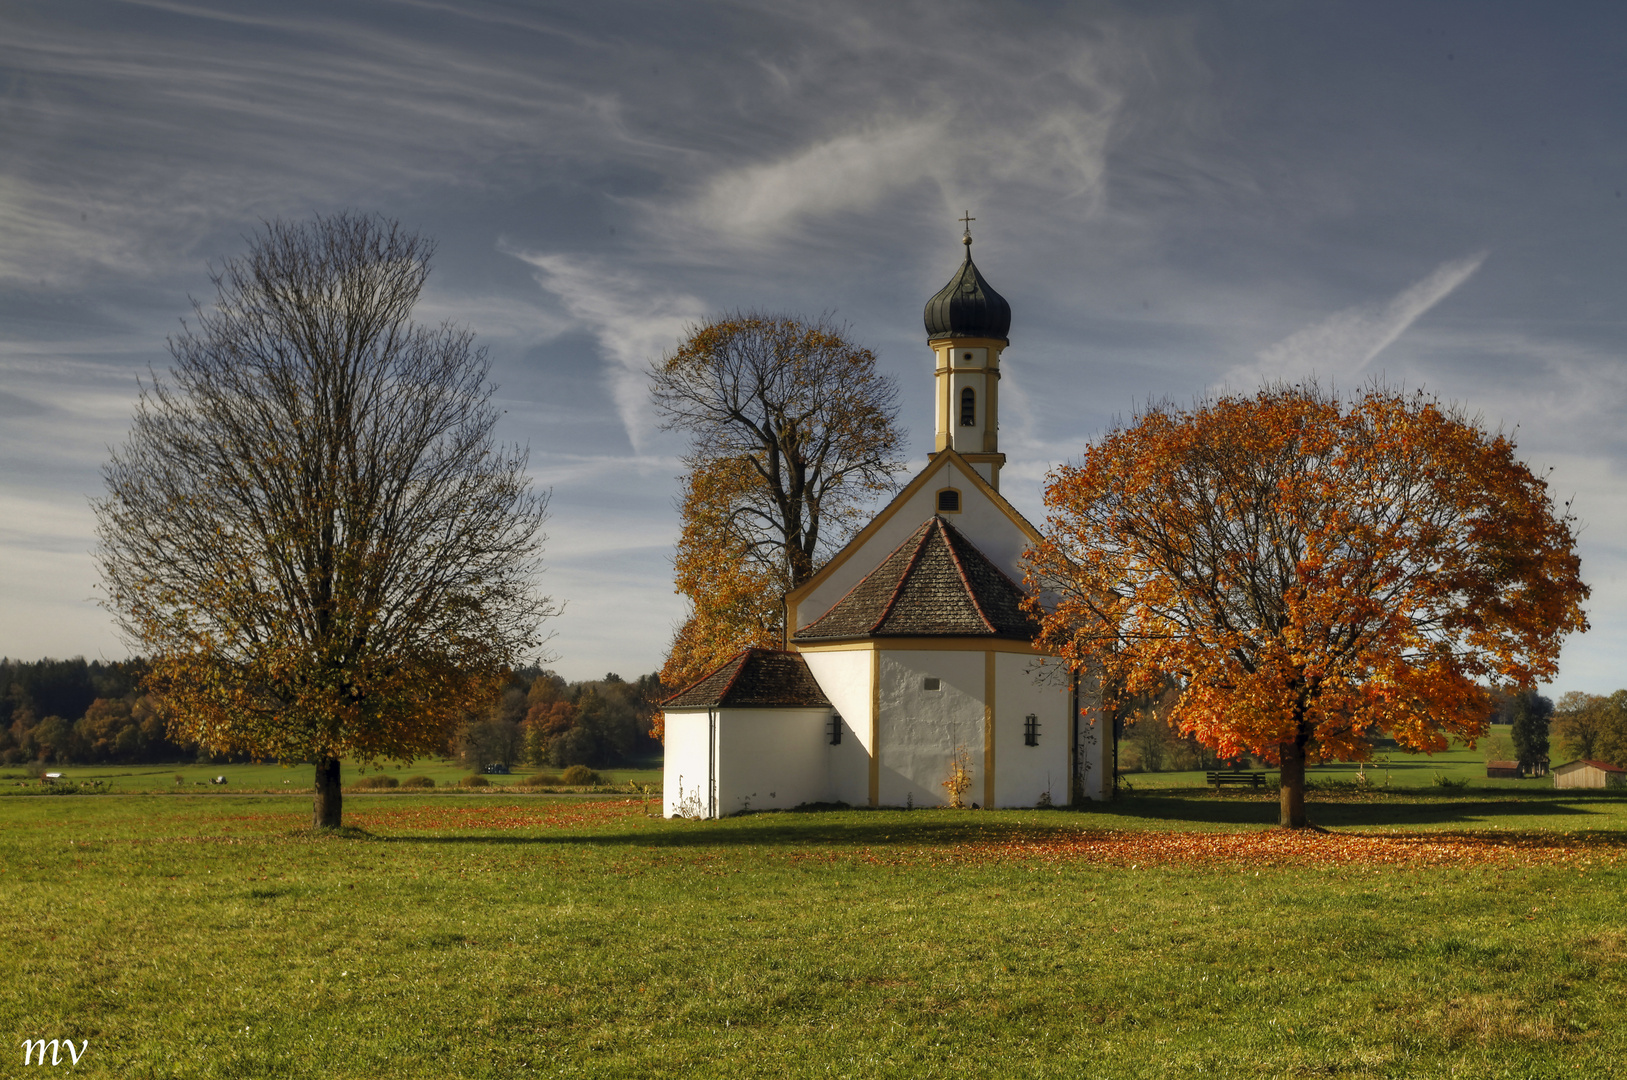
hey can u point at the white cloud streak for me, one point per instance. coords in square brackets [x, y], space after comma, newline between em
[633, 323]
[1346, 342]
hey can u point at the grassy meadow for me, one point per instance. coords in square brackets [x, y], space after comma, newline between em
[1459, 764]
[192, 779]
[1429, 934]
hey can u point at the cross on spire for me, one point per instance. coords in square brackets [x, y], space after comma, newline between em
[967, 221]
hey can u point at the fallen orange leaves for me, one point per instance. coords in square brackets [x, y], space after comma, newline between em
[564, 815]
[1271, 848]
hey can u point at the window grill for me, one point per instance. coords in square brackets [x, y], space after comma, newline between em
[835, 729]
[1030, 730]
[968, 407]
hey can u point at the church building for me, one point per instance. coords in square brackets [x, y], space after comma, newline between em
[909, 658]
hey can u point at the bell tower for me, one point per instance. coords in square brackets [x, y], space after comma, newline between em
[966, 327]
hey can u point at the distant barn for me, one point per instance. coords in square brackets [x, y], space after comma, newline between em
[1589, 774]
[1503, 770]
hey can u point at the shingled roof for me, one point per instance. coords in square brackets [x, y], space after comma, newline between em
[754, 679]
[935, 584]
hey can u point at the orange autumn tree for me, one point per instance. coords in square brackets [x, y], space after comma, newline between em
[792, 434]
[1309, 570]
[735, 599]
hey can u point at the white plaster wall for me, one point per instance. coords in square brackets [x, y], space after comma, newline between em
[844, 676]
[920, 729]
[685, 780]
[1026, 684]
[1093, 758]
[772, 759]
[980, 521]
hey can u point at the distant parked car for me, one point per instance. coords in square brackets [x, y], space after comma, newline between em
[497, 770]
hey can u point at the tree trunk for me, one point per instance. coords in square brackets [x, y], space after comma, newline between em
[329, 800]
[1292, 756]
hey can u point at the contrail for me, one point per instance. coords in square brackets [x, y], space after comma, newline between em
[1347, 341]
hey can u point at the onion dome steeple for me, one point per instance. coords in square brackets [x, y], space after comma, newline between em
[966, 327]
[968, 306]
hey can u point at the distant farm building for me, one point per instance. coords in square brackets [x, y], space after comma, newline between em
[1502, 770]
[1589, 774]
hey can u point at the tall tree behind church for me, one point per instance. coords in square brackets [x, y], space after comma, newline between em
[793, 434]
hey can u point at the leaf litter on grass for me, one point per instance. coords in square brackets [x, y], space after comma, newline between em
[563, 815]
[1273, 847]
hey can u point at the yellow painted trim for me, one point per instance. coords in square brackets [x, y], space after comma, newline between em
[888, 512]
[875, 730]
[988, 731]
[924, 644]
[993, 344]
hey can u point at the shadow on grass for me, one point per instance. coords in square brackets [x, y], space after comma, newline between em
[892, 828]
[1332, 814]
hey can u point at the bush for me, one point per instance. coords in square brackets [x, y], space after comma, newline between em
[377, 780]
[581, 776]
[474, 781]
[542, 779]
[418, 781]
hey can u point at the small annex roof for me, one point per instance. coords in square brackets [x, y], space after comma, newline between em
[754, 679]
[935, 584]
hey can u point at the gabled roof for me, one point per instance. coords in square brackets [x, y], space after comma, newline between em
[1604, 765]
[754, 679]
[943, 457]
[935, 584]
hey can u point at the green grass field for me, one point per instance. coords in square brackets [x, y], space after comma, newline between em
[1432, 934]
[1392, 768]
[192, 779]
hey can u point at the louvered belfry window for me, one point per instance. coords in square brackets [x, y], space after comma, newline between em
[968, 408]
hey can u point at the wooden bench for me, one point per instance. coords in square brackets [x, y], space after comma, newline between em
[1252, 779]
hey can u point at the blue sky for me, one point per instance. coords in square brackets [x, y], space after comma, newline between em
[1174, 197]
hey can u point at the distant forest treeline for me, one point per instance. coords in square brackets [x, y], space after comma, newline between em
[90, 712]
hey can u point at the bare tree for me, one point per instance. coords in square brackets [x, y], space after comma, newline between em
[793, 433]
[310, 527]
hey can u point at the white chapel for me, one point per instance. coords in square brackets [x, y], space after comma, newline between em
[909, 652]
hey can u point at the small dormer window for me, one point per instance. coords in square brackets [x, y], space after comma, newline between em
[968, 407]
[949, 501]
[931, 683]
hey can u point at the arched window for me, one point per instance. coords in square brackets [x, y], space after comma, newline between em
[949, 501]
[968, 408]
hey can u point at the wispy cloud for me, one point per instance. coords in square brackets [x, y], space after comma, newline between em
[1346, 342]
[633, 322]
